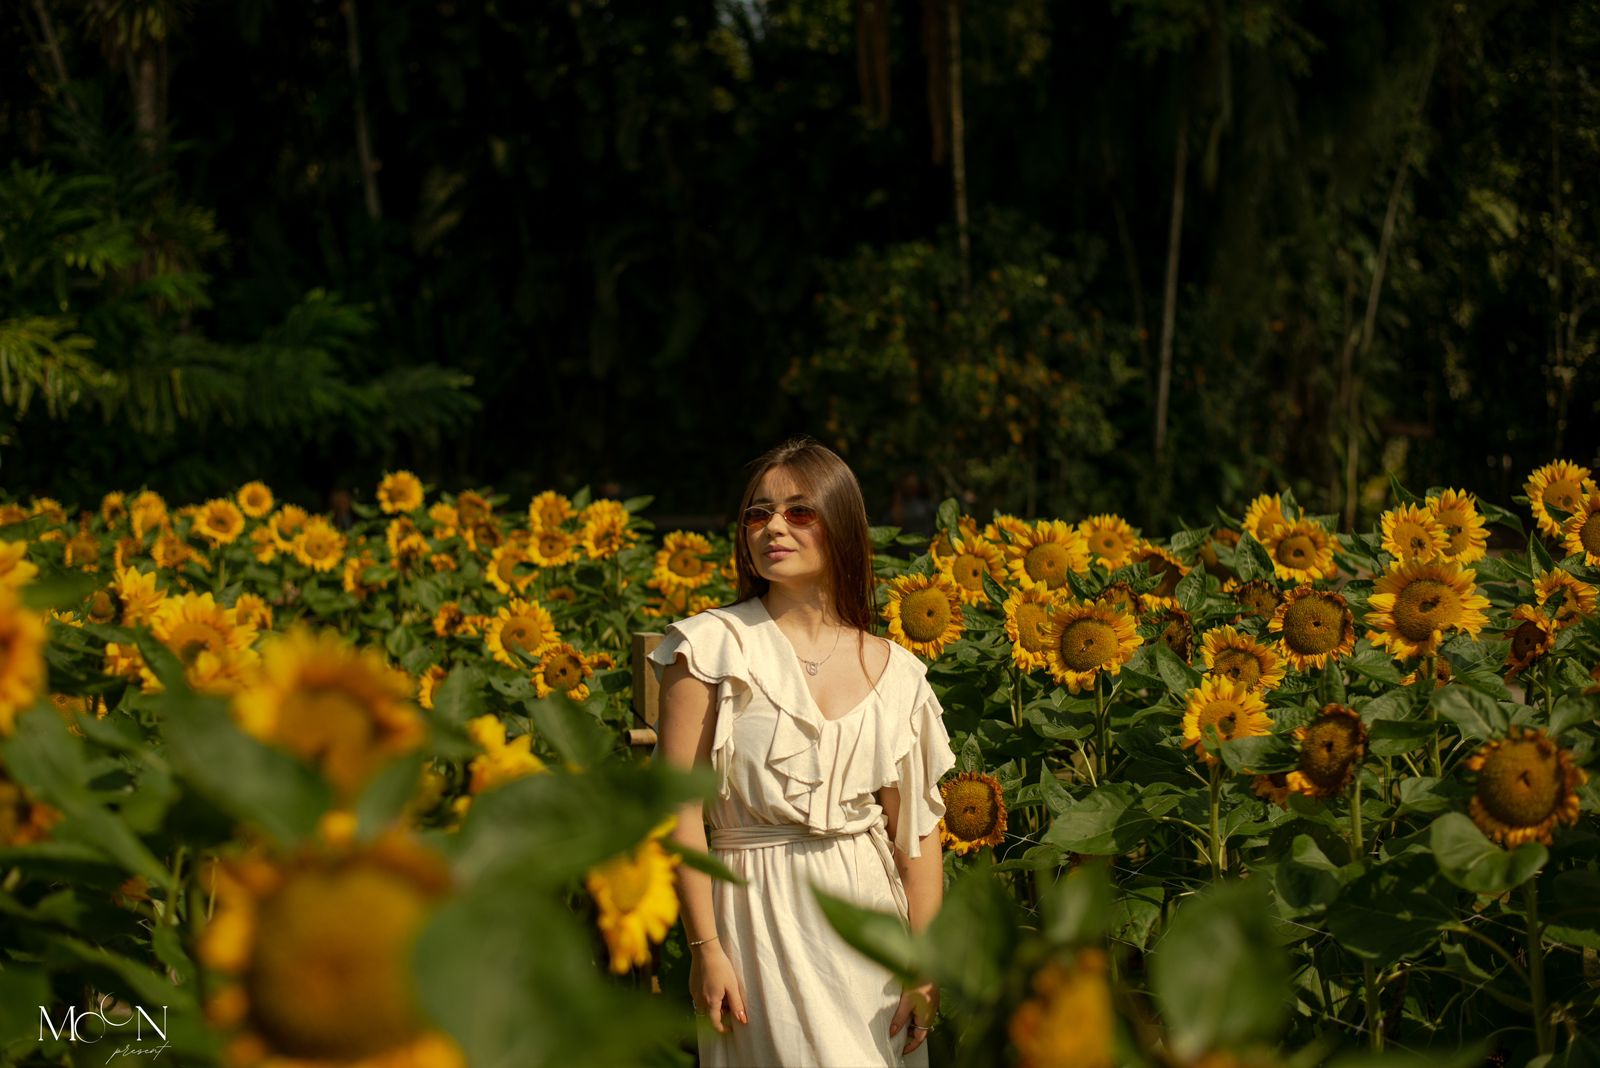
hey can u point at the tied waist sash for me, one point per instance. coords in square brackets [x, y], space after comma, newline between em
[768, 835]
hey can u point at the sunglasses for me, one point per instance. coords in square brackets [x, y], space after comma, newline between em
[796, 515]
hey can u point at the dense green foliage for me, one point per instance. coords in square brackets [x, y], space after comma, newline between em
[280, 240]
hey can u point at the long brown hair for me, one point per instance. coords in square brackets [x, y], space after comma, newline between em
[831, 487]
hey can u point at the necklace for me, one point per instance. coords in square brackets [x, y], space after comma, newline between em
[812, 665]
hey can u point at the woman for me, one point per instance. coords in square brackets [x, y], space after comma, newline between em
[829, 746]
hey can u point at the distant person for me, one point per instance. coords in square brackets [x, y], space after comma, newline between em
[340, 505]
[911, 509]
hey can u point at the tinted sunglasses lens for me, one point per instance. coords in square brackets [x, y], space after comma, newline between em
[756, 517]
[801, 515]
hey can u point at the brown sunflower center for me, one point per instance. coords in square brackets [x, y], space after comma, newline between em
[521, 632]
[1527, 641]
[1313, 625]
[1259, 598]
[1107, 544]
[219, 522]
[190, 638]
[971, 811]
[1223, 715]
[1330, 744]
[1031, 620]
[1238, 665]
[1296, 551]
[924, 615]
[330, 981]
[1086, 644]
[968, 571]
[1178, 636]
[1047, 563]
[319, 546]
[562, 671]
[1413, 538]
[1589, 534]
[1563, 493]
[1520, 783]
[1424, 607]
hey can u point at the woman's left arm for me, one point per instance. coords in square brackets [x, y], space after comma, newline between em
[923, 878]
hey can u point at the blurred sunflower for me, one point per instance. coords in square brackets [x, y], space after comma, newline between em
[1120, 595]
[219, 522]
[1567, 599]
[1580, 534]
[1175, 630]
[336, 706]
[636, 901]
[1264, 516]
[974, 812]
[549, 509]
[319, 545]
[1068, 1021]
[1165, 566]
[1441, 673]
[83, 551]
[1415, 602]
[1087, 639]
[1272, 787]
[1110, 540]
[683, 561]
[252, 610]
[397, 531]
[1006, 529]
[605, 529]
[1413, 532]
[51, 509]
[450, 621]
[445, 520]
[103, 606]
[924, 613]
[1316, 626]
[967, 563]
[15, 570]
[428, 682]
[553, 547]
[113, 509]
[1045, 553]
[1561, 485]
[1457, 512]
[473, 508]
[286, 524]
[313, 955]
[23, 820]
[171, 553]
[1258, 597]
[1302, 551]
[510, 569]
[1028, 625]
[123, 551]
[562, 668]
[255, 499]
[12, 513]
[443, 562]
[1532, 636]
[1232, 710]
[147, 512]
[501, 761]
[137, 594]
[263, 546]
[1238, 657]
[1332, 747]
[1526, 786]
[214, 646]
[521, 626]
[22, 670]
[124, 662]
[400, 491]
[966, 530]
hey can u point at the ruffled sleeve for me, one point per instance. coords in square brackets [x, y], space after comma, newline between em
[713, 654]
[925, 759]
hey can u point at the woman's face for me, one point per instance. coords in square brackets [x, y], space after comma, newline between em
[785, 553]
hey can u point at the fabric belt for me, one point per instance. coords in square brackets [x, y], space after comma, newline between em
[769, 835]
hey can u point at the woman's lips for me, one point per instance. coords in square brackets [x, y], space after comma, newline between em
[778, 554]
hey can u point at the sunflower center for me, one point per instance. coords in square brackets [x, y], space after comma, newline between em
[319, 546]
[1330, 744]
[687, 563]
[1414, 538]
[1589, 534]
[1108, 545]
[1527, 641]
[1238, 665]
[1520, 783]
[562, 671]
[968, 571]
[1047, 563]
[1088, 643]
[189, 639]
[1296, 551]
[1563, 493]
[331, 726]
[1223, 715]
[1424, 607]
[1313, 626]
[970, 810]
[522, 633]
[924, 615]
[1031, 620]
[332, 979]
[1259, 598]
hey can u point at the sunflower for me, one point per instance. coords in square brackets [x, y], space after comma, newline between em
[521, 626]
[1316, 626]
[400, 491]
[605, 529]
[23, 820]
[1044, 554]
[683, 561]
[1208, 552]
[636, 901]
[966, 530]
[967, 563]
[219, 522]
[482, 536]
[252, 610]
[333, 705]
[443, 562]
[974, 812]
[549, 509]
[562, 667]
[1120, 595]
[1258, 597]
[1562, 485]
[501, 761]
[263, 546]
[124, 662]
[210, 640]
[137, 594]
[1238, 657]
[1161, 563]
[428, 682]
[1006, 529]
[1531, 638]
[1332, 747]
[312, 954]
[1232, 710]
[1302, 551]
[1580, 534]
[51, 509]
[319, 545]
[286, 524]
[1457, 512]
[12, 513]
[1068, 1022]
[445, 520]
[113, 509]
[1413, 532]
[1272, 787]
[1028, 625]
[1526, 786]
[171, 553]
[1264, 516]
[147, 512]
[924, 613]
[1175, 630]
[504, 564]
[255, 498]
[1110, 540]
[15, 570]
[473, 508]
[83, 551]
[1441, 673]
[22, 670]
[450, 621]
[103, 607]
[1086, 639]
[1567, 599]
[1416, 601]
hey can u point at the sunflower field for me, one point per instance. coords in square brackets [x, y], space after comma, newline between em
[300, 790]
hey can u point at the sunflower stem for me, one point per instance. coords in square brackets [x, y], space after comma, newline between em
[1100, 730]
[1219, 860]
[1425, 679]
[1369, 979]
[1541, 1014]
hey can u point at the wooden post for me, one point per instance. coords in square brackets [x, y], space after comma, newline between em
[646, 690]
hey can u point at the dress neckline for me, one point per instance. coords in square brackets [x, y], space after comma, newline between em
[795, 671]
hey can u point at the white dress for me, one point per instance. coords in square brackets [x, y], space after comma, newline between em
[796, 807]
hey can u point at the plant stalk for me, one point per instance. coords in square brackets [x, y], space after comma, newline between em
[1219, 860]
[1369, 977]
[1536, 989]
[1356, 847]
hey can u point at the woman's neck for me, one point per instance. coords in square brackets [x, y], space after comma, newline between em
[807, 611]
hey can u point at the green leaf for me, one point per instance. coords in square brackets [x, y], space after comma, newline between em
[1179, 677]
[66, 589]
[949, 516]
[22, 991]
[459, 697]
[1474, 863]
[972, 939]
[1191, 590]
[1476, 714]
[1307, 879]
[1105, 821]
[705, 862]
[881, 937]
[1258, 756]
[1572, 709]
[1219, 976]
[1391, 737]
[385, 797]
[161, 661]
[1251, 560]
[994, 591]
[570, 730]
[1401, 494]
[1077, 907]
[1394, 910]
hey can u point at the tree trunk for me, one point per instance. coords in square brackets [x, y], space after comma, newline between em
[369, 168]
[1169, 308]
[958, 147]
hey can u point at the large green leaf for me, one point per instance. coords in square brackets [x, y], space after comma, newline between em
[879, 936]
[1472, 862]
[1104, 821]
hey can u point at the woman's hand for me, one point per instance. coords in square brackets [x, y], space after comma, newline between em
[714, 984]
[918, 1006]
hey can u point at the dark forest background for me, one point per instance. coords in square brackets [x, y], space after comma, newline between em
[1150, 256]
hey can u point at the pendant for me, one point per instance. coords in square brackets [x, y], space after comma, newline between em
[811, 667]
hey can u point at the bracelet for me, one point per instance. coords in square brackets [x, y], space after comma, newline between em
[703, 941]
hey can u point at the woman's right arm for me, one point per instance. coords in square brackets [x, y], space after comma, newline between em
[687, 725]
